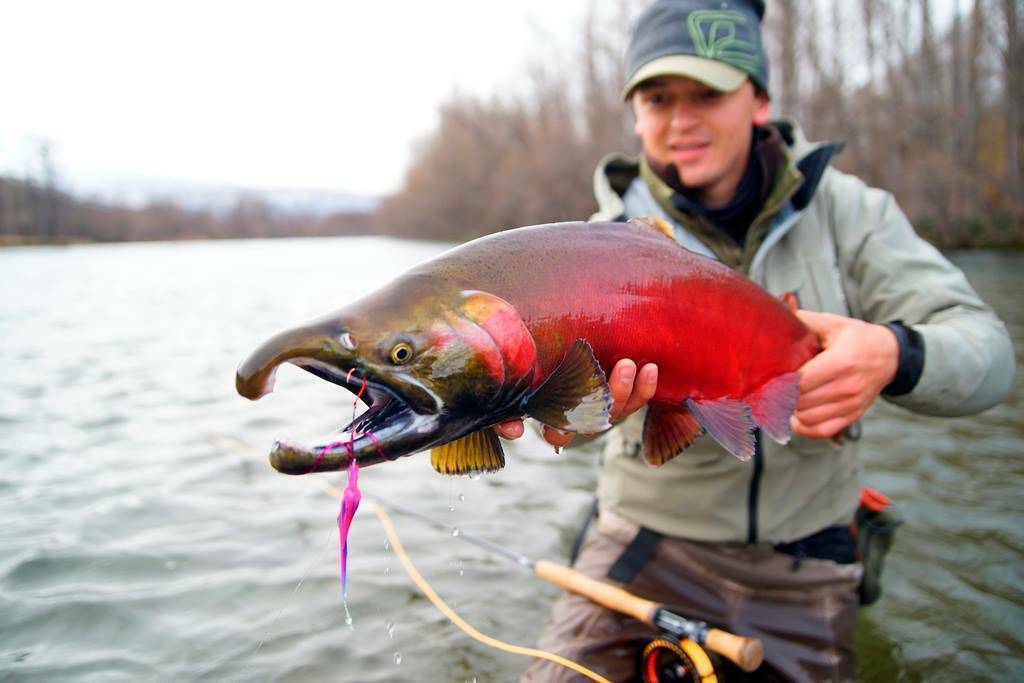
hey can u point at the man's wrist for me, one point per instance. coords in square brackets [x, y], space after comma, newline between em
[911, 359]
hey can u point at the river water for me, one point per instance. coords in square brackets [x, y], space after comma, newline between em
[141, 540]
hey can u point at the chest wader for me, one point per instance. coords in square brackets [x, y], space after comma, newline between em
[670, 656]
[665, 658]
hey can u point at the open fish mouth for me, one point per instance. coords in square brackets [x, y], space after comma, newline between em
[384, 431]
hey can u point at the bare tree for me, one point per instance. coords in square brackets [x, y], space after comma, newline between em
[1013, 100]
[46, 197]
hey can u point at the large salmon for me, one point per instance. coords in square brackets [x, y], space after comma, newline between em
[528, 322]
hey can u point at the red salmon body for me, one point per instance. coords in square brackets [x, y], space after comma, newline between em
[632, 292]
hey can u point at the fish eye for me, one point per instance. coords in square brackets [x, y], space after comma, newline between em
[401, 353]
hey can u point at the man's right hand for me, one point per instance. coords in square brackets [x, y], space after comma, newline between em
[629, 394]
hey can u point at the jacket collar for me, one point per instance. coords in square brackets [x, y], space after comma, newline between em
[806, 163]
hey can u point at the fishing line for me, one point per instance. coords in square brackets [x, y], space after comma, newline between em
[236, 444]
[442, 606]
[290, 598]
[422, 583]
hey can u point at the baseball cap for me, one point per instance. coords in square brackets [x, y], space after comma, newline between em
[715, 42]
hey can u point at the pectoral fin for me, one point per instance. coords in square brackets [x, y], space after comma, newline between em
[576, 397]
[668, 432]
[476, 452]
[728, 421]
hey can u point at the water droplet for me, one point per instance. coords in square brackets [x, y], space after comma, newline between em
[348, 616]
[451, 508]
[391, 630]
[462, 497]
[475, 476]
[387, 571]
[398, 658]
[387, 545]
[455, 531]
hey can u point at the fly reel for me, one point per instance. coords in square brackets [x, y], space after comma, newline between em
[667, 660]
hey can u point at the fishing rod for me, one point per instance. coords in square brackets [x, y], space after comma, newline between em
[746, 653]
[672, 657]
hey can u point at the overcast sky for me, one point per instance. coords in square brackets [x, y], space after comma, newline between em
[314, 94]
[308, 94]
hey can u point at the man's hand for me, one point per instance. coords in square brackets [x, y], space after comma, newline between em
[836, 386]
[629, 394]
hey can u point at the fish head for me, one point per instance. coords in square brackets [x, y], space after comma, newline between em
[434, 361]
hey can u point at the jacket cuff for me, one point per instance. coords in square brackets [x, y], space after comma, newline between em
[911, 360]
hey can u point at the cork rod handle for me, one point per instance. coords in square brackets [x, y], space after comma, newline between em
[746, 653]
[604, 594]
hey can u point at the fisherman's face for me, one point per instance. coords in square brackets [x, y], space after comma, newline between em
[705, 133]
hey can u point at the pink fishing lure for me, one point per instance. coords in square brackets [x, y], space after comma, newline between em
[350, 498]
[349, 504]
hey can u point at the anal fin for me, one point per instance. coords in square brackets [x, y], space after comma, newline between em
[479, 451]
[728, 421]
[576, 397]
[668, 432]
[773, 403]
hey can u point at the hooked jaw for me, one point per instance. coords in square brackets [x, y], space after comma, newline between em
[402, 414]
[310, 344]
[388, 429]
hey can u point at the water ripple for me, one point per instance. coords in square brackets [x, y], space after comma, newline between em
[133, 548]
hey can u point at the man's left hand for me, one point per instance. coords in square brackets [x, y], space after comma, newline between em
[858, 360]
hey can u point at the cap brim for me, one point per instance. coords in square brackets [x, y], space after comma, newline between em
[718, 75]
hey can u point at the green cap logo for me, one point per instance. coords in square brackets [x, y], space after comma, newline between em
[714, 37]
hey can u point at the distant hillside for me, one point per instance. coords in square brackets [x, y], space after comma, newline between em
[136, 192]
[34, 212]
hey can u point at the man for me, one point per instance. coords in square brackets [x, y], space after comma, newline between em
[763, 548]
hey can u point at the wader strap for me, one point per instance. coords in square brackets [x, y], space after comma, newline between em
[635, 556]
[581, 535]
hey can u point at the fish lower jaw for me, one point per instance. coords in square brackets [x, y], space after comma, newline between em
[404, 433]
[325, 455]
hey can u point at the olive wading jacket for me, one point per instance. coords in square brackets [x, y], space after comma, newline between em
[843, 248]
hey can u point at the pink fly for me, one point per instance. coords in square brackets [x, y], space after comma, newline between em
[349, 504]
[350, 498]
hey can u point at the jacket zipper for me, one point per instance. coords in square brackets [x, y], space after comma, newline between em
[755, 489]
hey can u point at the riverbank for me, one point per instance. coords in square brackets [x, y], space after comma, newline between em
[980, 238]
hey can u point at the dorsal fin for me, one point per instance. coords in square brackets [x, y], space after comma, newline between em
[479, 451]
[576, 396]
[657, 224]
